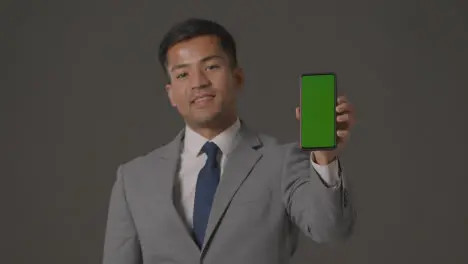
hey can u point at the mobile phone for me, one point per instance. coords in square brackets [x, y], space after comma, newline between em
[318, 111]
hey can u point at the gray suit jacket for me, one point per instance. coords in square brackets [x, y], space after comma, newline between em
[266, 196]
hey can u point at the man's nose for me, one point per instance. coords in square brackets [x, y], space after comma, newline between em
[200, 80]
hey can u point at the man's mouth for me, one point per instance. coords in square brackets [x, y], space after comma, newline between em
[203, 98]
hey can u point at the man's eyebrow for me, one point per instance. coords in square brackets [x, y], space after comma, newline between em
[178, 66]
[205, 59]
[212, 57]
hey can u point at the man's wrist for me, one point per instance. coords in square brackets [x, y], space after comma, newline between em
[323, 157]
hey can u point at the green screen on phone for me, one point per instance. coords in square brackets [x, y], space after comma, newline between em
[318, 115]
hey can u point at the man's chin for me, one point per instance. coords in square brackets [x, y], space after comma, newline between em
[206, 120]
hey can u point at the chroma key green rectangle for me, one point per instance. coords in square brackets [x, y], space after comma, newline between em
[318, 111]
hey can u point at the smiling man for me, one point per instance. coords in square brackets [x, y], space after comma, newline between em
[220, 192]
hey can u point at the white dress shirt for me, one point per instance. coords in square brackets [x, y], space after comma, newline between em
[192, 161]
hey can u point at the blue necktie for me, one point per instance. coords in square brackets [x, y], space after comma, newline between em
[207, 182]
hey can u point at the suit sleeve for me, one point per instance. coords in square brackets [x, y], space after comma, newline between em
[325, 214]
[121, 244]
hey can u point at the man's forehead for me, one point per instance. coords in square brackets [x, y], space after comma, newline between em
[194, 50]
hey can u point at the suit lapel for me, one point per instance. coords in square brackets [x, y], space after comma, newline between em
[239, 165]
[165, 163]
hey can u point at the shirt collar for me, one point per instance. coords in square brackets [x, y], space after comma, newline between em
[226, 140]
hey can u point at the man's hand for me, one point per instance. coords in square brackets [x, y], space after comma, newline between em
[345, 120]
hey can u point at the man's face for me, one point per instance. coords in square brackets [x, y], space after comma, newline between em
[203, 84]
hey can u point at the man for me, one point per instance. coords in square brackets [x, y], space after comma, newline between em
[220, 193]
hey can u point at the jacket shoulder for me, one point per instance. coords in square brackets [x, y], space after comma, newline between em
[267, 140]
[143, 160]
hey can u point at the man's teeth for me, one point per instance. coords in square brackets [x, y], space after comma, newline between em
[203, 98]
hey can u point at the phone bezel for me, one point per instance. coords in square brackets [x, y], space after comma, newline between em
[334, 111]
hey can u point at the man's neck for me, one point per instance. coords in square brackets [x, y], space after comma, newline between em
[212, 130]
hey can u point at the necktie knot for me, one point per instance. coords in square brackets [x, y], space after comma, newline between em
[211, 150]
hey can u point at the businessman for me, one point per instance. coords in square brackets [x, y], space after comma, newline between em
[219, 192]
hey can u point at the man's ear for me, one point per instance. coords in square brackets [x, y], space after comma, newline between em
[239, 78]
[170, 95]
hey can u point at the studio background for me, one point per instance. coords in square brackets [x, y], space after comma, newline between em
[81, 92]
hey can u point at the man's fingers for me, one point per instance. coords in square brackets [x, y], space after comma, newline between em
[342, 99]
[343, 118]
[344, 107]
[342, 133]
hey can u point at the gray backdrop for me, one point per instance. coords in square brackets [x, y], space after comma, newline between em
[81, 92]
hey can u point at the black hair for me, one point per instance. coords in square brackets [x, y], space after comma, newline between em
[195, 27]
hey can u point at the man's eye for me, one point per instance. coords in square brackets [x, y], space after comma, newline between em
[182, 75]
[212, 67]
